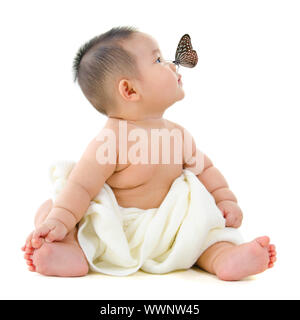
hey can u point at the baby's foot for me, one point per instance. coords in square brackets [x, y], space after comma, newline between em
[246, 259]
[58, 258]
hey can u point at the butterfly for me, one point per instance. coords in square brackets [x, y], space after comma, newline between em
[185, 55]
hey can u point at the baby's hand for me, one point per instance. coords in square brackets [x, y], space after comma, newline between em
[231, 212]
[51, 230]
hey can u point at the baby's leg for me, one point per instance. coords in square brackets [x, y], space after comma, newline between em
[235, 262]
[60, 258]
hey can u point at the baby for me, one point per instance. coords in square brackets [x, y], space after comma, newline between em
[124, 76]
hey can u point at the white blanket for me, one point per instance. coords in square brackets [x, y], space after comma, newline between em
[119, 241]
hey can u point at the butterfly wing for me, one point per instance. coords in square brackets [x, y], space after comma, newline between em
[185, 55]
[189, 59]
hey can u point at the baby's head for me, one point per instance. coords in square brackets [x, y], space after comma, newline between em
[123, 74]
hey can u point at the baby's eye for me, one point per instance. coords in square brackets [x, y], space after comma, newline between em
[158, 58]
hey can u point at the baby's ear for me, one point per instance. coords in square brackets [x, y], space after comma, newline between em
[127, 90]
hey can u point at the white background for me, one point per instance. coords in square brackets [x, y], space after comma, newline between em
[242, 106]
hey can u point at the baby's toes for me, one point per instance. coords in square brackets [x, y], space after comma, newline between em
[271, 247]
[29, 262]
[28, 255]
[272, 251]
[31, 268]
[29, 250]
[272, 255]
[28, 258]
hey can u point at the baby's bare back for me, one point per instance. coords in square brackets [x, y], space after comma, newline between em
[145, 185]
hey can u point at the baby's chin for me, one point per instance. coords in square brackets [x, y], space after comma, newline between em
[181, 94]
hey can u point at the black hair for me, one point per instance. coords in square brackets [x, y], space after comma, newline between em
[100, 62]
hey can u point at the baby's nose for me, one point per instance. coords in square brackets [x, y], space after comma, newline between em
[174, 67]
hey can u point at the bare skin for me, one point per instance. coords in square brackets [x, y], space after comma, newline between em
[62, 258]
[226, 260]
[52, 248]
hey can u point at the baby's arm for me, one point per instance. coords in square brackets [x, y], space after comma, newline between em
[215, 182]
[225, 199]
[200, 164]
[84, 183]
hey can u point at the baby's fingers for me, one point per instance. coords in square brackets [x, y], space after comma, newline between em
[233, 221]
[230, 220]
[27, 242]
[39, 233]
[57, 234]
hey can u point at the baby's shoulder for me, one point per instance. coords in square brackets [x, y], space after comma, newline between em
[186, 135]
[107, 136]
[174, 125]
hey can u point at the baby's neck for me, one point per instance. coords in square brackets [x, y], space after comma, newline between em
[146, 121]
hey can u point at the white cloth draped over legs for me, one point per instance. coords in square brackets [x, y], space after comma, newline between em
[119, 241]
